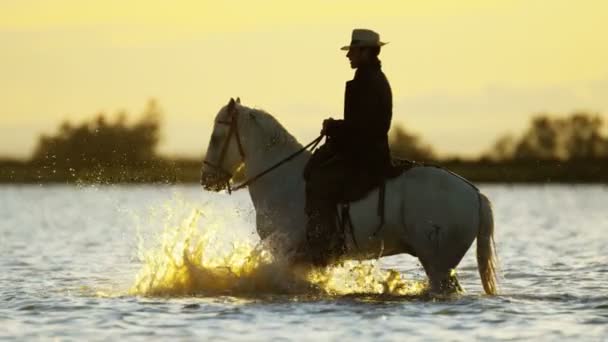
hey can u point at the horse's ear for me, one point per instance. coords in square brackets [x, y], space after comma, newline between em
[231, 105]
[238, 100]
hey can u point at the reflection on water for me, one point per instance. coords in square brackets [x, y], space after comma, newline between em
[133, 262]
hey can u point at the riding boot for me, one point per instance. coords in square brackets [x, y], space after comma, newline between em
[325, 242]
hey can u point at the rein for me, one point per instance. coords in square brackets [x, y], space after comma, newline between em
[313, 144]
[234, 129]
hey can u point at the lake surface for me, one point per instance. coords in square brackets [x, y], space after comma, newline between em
[159, 262]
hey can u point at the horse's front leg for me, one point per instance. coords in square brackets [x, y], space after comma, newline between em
[284, 249]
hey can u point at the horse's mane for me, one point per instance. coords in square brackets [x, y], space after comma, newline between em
[273, 128]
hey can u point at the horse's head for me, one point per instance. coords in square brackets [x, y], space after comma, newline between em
[225, 152]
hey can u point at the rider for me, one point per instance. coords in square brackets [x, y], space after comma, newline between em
[356, 155]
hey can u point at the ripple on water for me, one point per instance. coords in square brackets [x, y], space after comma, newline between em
[72, 277]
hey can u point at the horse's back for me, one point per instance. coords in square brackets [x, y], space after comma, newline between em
[421, 202]
[430, 189]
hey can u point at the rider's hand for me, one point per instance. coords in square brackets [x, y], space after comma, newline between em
[331, 127]
[327, 125]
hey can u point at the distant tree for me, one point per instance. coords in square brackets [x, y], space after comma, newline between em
[541, 140]
[503, 149]
[584, 138]
[404, 144]
[102, 143]
[578, 136]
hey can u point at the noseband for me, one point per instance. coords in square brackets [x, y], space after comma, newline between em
[232, 129]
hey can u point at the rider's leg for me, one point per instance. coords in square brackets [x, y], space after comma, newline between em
[324, 189]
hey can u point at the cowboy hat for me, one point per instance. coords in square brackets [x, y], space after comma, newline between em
[364, 38]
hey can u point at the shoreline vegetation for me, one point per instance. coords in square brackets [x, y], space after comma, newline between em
[188, 171]
[553, 149]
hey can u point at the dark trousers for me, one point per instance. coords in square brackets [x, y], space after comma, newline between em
[326, 178]
[332, 178]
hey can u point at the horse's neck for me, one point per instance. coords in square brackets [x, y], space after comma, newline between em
[283, 181]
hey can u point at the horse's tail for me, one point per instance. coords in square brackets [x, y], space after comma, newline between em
[487, 262]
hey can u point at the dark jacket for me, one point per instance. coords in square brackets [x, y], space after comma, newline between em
[362, 137]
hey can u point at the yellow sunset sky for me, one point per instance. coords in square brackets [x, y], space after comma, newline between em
[462, 72]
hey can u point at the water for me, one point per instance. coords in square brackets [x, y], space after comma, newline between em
[160, 262]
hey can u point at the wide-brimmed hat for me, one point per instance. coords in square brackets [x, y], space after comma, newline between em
[364, 38]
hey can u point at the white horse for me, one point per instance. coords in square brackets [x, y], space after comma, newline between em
[430, 213]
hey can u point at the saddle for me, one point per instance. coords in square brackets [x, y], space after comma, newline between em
[358, 190]
[397, 168]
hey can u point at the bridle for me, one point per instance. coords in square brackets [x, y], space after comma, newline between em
[232, 129]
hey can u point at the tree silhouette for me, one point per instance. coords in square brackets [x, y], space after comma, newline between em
[584, 137]
[576, 137]
[101, 143]
[408, 145]
[503, 149]
[541, 140]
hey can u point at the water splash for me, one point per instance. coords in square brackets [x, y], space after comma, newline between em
[186, 261]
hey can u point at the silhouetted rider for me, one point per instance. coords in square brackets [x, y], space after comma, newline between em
[356, 156]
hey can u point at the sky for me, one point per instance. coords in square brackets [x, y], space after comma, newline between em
[463, 73]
